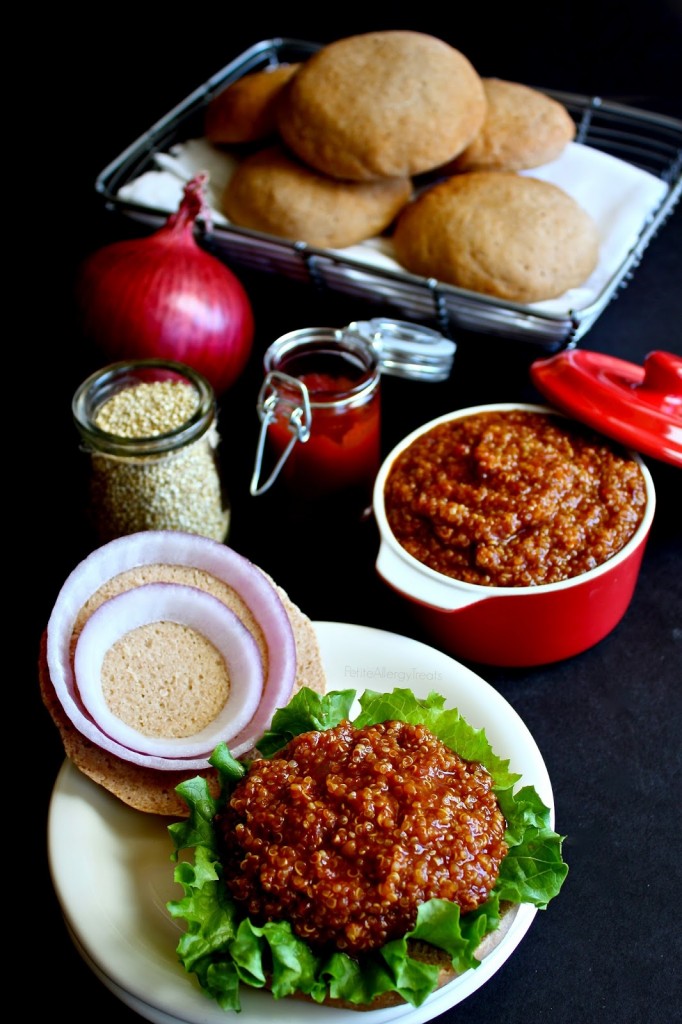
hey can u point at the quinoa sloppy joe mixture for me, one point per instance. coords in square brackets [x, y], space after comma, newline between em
[513, 498]
[347, 831]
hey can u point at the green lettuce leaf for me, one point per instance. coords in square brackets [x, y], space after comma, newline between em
[225, 950]
[533, 870]
[308, 711]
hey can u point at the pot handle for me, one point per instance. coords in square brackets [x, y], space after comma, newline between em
[448, 595]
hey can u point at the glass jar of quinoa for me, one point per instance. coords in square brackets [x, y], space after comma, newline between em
[513, 498]
[150, 429]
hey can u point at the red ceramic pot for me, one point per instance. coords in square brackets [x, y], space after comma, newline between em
[511, 626]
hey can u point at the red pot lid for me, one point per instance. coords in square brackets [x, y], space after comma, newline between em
[640, 406]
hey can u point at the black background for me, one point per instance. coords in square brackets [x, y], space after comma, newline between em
[608, 721]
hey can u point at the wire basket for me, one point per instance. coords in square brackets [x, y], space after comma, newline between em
[648, 141]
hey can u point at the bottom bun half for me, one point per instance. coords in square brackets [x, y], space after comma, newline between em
[425, 953]
[153, 790]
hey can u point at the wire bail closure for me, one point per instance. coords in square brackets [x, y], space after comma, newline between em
[298, 415]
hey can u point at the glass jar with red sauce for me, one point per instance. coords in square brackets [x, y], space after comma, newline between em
[320, 405]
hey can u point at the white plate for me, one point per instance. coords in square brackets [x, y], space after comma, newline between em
[112, 870]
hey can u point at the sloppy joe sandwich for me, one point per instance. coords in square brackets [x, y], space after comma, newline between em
[358, 862]
[161, 644]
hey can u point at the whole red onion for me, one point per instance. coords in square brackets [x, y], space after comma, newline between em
[164, 296]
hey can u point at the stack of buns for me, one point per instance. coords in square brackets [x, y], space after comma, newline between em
[349, 144]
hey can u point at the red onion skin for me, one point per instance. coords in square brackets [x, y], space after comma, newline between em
[164, 296]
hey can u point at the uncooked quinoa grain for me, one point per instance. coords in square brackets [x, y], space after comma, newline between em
[148, 410]
[174, 490]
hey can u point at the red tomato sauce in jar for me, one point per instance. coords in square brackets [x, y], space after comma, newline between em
[513, 498]
[344, 447]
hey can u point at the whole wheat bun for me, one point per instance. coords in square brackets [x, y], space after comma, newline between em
[517, 238]
[523, 128]
[245, 111]
[274, 192]
[386, 104]
[153, 790]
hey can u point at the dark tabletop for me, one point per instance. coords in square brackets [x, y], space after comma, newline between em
[608, 722]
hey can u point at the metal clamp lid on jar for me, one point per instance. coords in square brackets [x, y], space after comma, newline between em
[405, 349]
[396, 347]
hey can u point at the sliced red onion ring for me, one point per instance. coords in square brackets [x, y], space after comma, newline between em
[188, 606]
[172, 548]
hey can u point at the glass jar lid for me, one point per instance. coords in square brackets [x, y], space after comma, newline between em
[406, 349]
